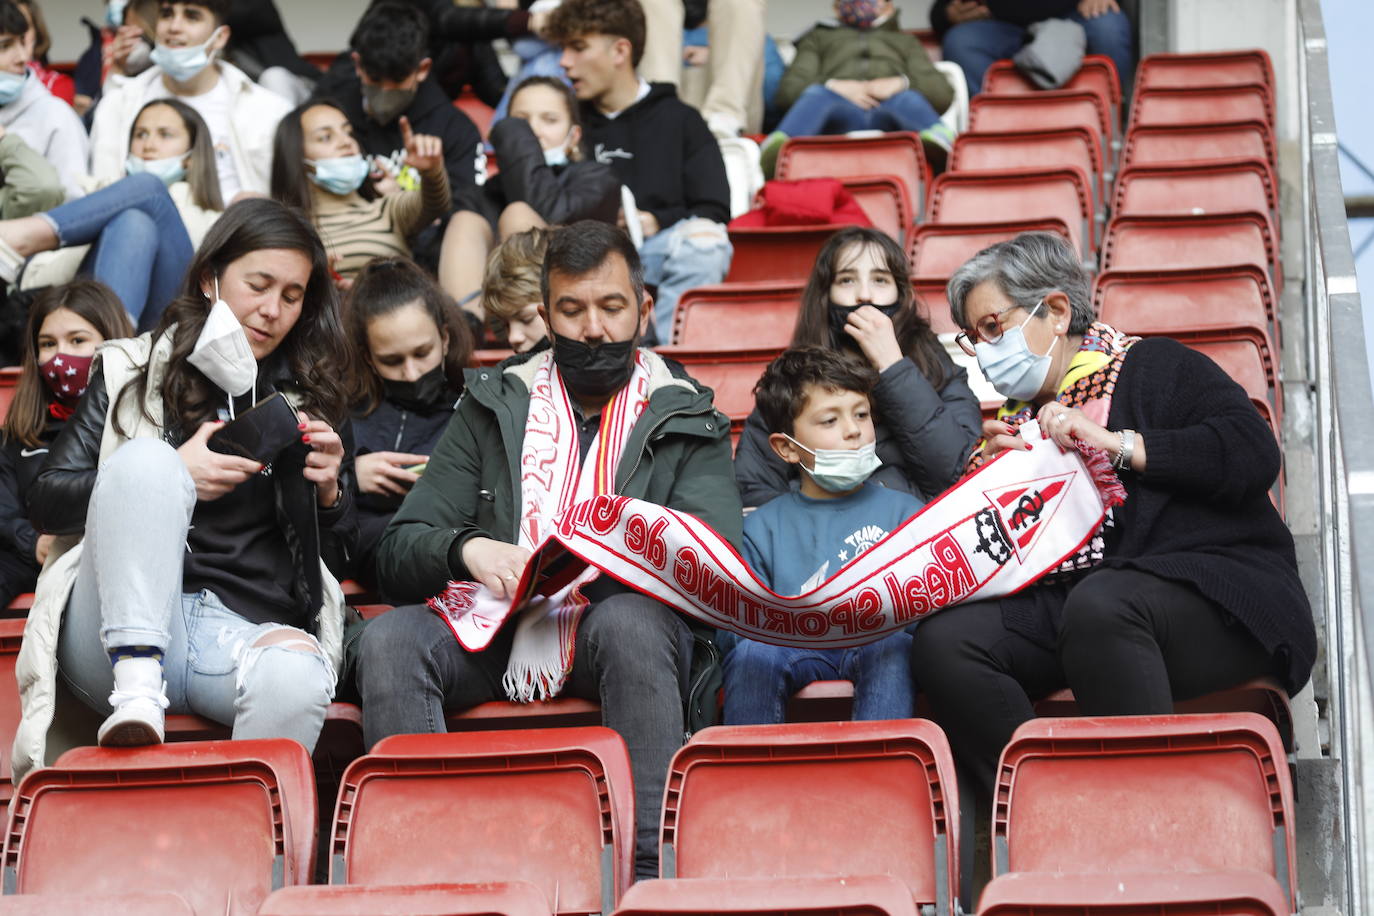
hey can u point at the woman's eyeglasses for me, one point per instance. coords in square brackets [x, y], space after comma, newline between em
[987, 330]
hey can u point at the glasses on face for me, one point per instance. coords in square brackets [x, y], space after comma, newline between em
[988, 329]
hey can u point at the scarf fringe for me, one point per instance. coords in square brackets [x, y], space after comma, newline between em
[1104, 475]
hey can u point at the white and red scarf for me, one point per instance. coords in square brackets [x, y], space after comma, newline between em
[552, 480]
[1000, 529]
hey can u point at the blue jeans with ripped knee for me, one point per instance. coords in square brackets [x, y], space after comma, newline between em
[691, 252]
[266, 680]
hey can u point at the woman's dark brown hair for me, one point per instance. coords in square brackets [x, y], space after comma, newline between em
[383, 286]
[314, 356]
[201, 174]
[91, 300]
[913, 331]
[290, 178]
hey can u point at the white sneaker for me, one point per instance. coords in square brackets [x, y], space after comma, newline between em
[139, 718]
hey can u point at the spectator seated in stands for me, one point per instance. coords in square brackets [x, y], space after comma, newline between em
[591, 401]
[259, 46]
[66, 324]
[815, 405]
[28, 182]
[241, 115]
[136, 234]
[974, 33]
[655, 144]
[387, 76]
[545, 180]
[861, 72]
[859, 301]
[28, 110]
[1196, 585]
[318, 168]
[196, 574]
[40, 42]
[411, 347]
[510, 291]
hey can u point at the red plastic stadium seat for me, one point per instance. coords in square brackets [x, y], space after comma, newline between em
[1210, 68]
[490, 357]
[1146, 794]
[737, 315]
[1241, 359]
[776, 254]
[851, 895]
[227, 822]
[1222, 893]
[9, 381]
[937, 250]
[1175, 143]
[899, 154]
[1196, 188]
[1029, 194]
[161, 904]
[511, 898]
[553, 807]
[1044, 149]
[828, 798]
[1096, 74]
[478, 111]
[731, 374]
[1048, 110]
[295, 781]
[932, 302]
[11, 636]
[885, 200]
[1209, 240]
[822, 701]
[1202, 106]
[560, 712]
[19, 607]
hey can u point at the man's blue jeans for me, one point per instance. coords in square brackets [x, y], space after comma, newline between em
[690, 253]
[818, 110]
[140, 248]
[975, 45]
[760, 678]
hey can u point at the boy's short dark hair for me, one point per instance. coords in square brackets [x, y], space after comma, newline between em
[780, 394]
[218, 8]
[616, 18]
[12, 21]
[391, 40]
[582, 247]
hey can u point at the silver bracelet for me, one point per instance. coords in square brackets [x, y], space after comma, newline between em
[1122, 461]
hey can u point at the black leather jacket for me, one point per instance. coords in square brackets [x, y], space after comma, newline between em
[59, 497]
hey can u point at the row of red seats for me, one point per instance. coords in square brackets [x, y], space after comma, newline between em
[784, 808]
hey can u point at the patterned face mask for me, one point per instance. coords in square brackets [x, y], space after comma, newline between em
[857, 14]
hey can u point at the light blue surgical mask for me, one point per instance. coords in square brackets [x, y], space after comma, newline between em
[184, 64]
[114, 13]
[559, 154]
[341, 174]
[170, 170]
[12, 85]
[839, 470]
[1010, 366]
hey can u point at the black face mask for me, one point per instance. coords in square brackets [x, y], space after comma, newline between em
[594, 372]
[428, 393]
[839, 317]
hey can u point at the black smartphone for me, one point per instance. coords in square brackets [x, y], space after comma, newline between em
[259, 433]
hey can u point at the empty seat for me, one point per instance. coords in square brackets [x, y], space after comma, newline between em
[1136, 242]
[1125, 794]
[730, 374]
[11, 637]
[553, 807]
[852, 895]
[1097, 74]
[1029, 194]
[160, 904]
[1196, 188]
[736, 315]
[885, 200]
[1048, 110]
[559, 712]
[510, 898]
[1241, 359]
[1181, 303]
[1043, 149]
[1202, 106]
[937, 250]
[1226, 893]
[898, 153]
[1209, 68]
[217, 831]
[829, 798]
[776, 254]
[1159, 144]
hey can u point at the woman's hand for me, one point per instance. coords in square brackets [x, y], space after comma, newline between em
[1091, 9]
[855, 91]
[1065, 424]
[424, 152]
[885, 87]
[322, 464]
[876, 338]
[495, 564]
[214, 474]
[385, 472]
[999, 436]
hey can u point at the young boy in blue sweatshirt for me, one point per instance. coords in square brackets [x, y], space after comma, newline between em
[815, 403]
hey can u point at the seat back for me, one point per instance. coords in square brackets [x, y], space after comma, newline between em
[761, 315]
[9, 383]
[885, 200]
[851, 895]
[776, 254]
[932, 301]
[11, 637]
[730, 374]
[1096, 74]
[1206, 105]
[1207, 240]
[1146, 794]
[1242, 360]
[898, 153]
[162, 904]
[937, 250]
[1045, 149]
[509, 898]
[1161, 144]
[1047, 110]
[135, 829]
[824, 798]
[1183, 302]
[1224, 893]
[1030, 194]
[1197, 188]
[1210, 68]
[553, 807]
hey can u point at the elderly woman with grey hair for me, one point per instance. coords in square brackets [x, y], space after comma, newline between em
[1192, 586]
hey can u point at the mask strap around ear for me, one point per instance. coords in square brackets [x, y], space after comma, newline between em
[216, 290]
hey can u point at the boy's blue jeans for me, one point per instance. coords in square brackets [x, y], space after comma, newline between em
[821, 111]
[975, 45]
[760, 678]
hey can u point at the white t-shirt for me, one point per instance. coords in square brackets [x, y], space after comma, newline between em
[213, 106]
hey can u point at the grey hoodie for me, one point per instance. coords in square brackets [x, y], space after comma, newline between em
[51, 128]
